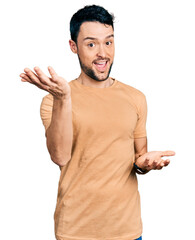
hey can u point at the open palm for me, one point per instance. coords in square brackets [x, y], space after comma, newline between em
[153, 160]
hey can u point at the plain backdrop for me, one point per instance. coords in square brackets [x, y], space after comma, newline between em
[155, 53]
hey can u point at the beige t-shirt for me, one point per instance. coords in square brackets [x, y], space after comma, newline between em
[98, 197]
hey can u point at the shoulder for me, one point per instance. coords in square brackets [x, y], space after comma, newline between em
[134, 92]
[47, 101]
[72, 83]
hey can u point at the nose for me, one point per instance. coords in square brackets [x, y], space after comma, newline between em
[101, 51]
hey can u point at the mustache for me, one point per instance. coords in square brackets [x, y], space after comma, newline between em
[102, 59]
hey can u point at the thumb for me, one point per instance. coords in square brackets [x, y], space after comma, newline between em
[52, 73]
[168, 153]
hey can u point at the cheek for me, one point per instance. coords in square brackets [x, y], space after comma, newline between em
[112, 52]
[87, 57]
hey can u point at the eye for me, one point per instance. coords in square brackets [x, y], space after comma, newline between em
[91, 44]
[108, 43]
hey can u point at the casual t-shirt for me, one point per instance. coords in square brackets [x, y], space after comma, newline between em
[98, 197]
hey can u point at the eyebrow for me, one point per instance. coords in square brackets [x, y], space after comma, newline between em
[92, 38]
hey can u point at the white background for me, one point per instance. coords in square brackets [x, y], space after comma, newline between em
[155, 52]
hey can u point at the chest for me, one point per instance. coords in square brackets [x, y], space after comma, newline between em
[100, 114]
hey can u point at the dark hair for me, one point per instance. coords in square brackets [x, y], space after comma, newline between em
[90, 13]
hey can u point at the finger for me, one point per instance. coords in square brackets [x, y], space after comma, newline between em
[33, 77]
[166, 162]
[25, 78]
[53, 74]
[146, 164]
[154, 164]
[160, 165]
[42, 76]
[167, 153]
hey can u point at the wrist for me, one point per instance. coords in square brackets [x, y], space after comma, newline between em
[62, 104]
[62, 99]
[139, 170]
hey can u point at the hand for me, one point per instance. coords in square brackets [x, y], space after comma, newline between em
[55, 85]
[153, 160]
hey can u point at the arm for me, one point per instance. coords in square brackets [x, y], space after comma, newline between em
[59, 132]
[145, 160]
[140, 146]
[149, 160]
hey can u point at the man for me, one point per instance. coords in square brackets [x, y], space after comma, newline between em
[96, 133]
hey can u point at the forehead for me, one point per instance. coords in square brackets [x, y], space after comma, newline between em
[95, 30]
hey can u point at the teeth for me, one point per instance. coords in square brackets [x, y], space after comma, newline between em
[101, 63]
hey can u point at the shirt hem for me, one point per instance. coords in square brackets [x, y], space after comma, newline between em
[140, 135]
[126, 237]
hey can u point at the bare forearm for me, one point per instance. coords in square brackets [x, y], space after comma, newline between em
[60, 132]
[140, 149]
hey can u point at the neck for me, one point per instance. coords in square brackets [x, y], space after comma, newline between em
[87, 81]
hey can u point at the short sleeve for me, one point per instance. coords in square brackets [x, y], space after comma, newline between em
[46, 110]
[140, 129]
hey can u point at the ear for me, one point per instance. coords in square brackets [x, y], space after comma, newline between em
[73, 46]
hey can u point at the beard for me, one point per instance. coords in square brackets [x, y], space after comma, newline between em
[90, 72]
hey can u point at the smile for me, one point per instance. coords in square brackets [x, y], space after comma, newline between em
[101, 65]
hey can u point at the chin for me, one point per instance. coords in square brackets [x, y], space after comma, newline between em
[102, 78]
[102, 75]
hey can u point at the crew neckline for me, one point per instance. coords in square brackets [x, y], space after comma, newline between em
[95, 88]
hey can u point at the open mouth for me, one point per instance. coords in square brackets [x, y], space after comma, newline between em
[101, 65]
